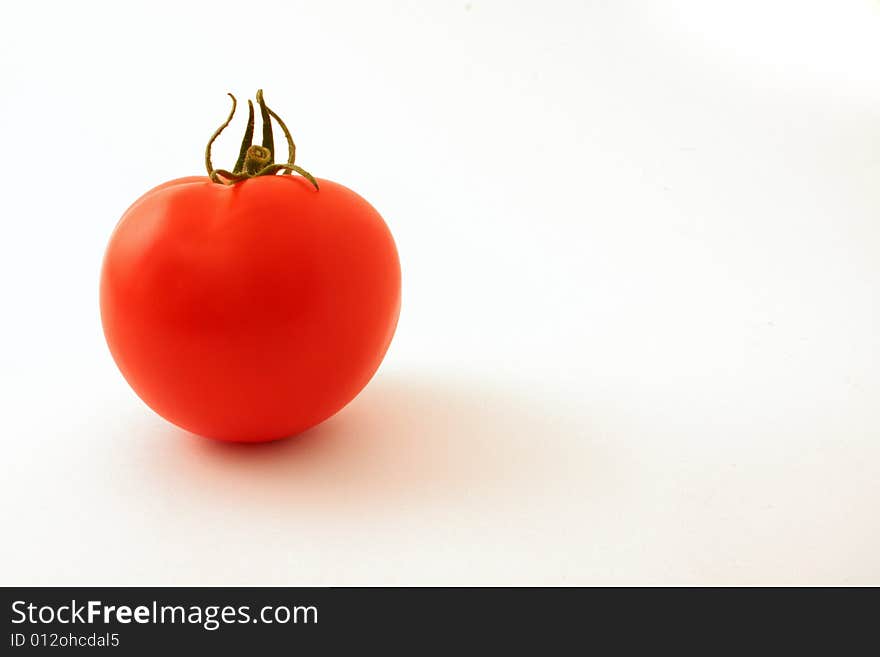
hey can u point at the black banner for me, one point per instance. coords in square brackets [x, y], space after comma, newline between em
[245, 621]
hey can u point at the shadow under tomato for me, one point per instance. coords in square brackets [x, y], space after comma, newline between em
[403, 441]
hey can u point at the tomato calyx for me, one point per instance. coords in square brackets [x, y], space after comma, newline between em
[255, 160]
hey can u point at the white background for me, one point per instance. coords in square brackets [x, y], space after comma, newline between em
[639, 340]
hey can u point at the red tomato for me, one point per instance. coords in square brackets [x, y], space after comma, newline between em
[249, 311]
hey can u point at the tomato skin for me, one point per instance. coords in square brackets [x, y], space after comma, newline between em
[253, 311]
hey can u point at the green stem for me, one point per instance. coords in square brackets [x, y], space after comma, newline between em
[272, 169]
[258, 158]
[254, 161]
[268, 137]
[246, 141]
[208, 165]
[225, 177]
[291, 147]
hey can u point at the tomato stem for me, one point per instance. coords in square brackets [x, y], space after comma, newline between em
[268, 137]
[246, 141]
[208, 165]
[258, 158]
[255, 160]
[291, 147]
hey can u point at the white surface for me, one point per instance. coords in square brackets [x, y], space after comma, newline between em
[639, 340]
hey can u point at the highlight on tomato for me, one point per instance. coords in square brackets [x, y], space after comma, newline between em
[250, 304]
